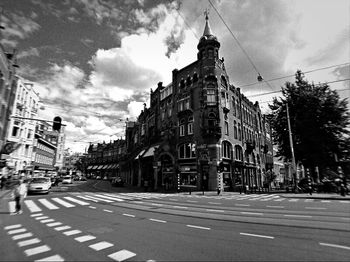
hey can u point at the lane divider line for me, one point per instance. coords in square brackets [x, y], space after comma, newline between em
[157, 220]
[254, 235]
[334, 245]
[199, 227]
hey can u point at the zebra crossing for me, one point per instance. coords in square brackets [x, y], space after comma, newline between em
[80, 199]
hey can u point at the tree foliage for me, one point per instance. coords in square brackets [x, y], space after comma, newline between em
[319, 121]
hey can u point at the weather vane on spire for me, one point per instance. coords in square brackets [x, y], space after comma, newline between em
[206, 13]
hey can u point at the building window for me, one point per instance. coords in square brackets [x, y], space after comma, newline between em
[239, 153]
[183, 104]
[190, 125]
[15, 131]
[195, 78]
[187, 151]
[182, 127]
[188, 81]
[226, 128]
[211, 97]
[239, 132]
[224, 82]
[226, 149]
[235, 130]
[182, 83]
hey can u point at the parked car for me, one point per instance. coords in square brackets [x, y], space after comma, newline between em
[117, 181]
[67, 180]
[39, 185]
[98, 177]
[83, 178]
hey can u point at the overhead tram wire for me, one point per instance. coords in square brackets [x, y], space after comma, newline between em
[183, 18]
[325, 83]
[260, 78]
[306, 72]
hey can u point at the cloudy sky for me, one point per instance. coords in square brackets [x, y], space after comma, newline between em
[94, 62]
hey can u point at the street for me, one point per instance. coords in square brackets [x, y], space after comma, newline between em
[81, 223]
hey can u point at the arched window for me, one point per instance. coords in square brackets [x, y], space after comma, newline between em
[211, 119]
[188, 81]
[190, 125]
[224, 82]
[182, 127]
[226, 148]
[195, 78]
[239, 153]
[235, 130]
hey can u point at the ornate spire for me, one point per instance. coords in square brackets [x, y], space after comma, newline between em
[207, 29]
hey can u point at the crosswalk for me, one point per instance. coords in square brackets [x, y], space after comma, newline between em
[80, 199]
[86, 199]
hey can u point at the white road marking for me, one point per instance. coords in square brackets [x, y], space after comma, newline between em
[157, 220]
[109, 197]
[55, 258]
[16, 237]
[12, 227]
[62, 228]
[36, 215]
[251, 213]
[107, 210]
[37, 250]
[101, 245]
[128, 215]
[86, 198]
[325, 201]
[315, 208]
[199, 227]
[309, 200]
[180, 207]
[242, 205]
[54, 224]
[344, 201]
[333, 245]
[276, 206]
[98, 199]
[47, 220]
[77, 201]
[254, 235]
[47, 204]
[42, 217]
[28, 242]
[92, 207]
[32, 206]
[215, 210]
[16, 231]
[297, 216]
[156, 204]
[121, 255]
[72, 232]
[293, 200]
[62, 202]
[84, 238]
[214, 203]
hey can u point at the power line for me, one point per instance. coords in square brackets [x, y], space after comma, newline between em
[187, 24]
[306, 72]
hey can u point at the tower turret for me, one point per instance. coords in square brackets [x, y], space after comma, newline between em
[208, 46]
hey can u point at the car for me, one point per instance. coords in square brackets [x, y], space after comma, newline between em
[117, 181]
[67, 180]
[39, 185]
[98, 177]
[83, 178]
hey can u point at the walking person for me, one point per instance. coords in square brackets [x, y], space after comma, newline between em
[19, 193]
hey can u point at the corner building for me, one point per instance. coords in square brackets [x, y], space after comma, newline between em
[195, 124]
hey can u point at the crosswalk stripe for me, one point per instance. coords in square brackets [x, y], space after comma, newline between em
[32, 206]
[84, 238]
[62, 228]
[98, 198]
[16, 231]
[12, 226]
[28, 242]
[109, 197]
[77, 201]
[101, 245]
[56, 258]
[47, 204]
[25, 235]
[121, 255]
[72, 232]
[88, 198]
[62, 202]
[54, 224]
[37, 250]
[36, 215]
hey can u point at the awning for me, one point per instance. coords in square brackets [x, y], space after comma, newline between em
[104, 167]
[108, 166]
[150, 151]
[99, 167]
[140, 154]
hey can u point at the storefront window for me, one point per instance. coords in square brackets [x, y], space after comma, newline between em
[188, 179]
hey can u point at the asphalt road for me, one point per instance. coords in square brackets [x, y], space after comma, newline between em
[82, 223]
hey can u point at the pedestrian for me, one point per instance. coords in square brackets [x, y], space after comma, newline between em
[19, 193]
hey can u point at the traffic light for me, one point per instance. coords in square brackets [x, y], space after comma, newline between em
[57, 124]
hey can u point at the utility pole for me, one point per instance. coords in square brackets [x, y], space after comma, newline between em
[294, 167]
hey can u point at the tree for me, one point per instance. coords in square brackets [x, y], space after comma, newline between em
[319, 121]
